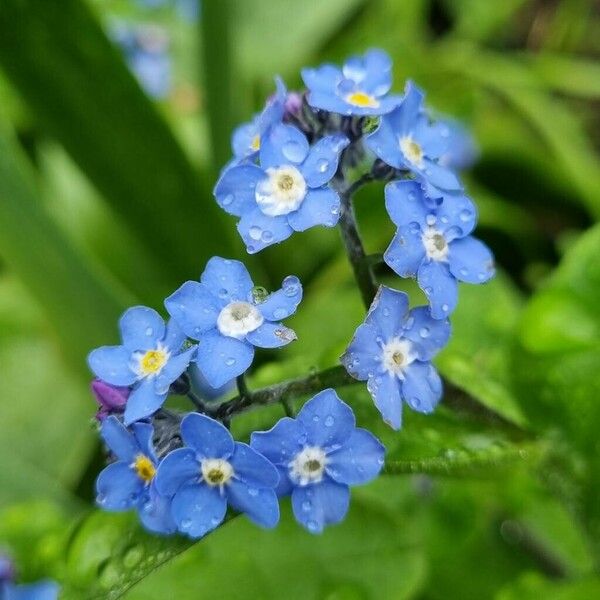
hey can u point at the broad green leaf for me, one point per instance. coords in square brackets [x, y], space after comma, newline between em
[558, 362]
[78, 87]
[532, 586]
[80, 302]
[109, 554]
[572, 75]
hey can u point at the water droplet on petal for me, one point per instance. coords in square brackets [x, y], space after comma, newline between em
[149, 331]
[306, 505]
[293, 151]
[252, 492]
[266, 236]
[424, 332]
[322, 165]
[255, 232]
[227, 200]
[230, 361]
[329, 420]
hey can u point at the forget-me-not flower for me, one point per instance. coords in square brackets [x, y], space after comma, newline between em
[392, 351]
[130, 481]
[211, 471]
[246, 138]
[433, 244]
[406, 139]
[41, 590]
[319, 455]
[151, 358]
[288, 192]
[359, 88]
[224, 314]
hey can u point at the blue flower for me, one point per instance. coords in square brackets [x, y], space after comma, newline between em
[150, 358]
[461, 149]
[288, 192]
[405, 139]
[433, 244]
[212, 471]
[319, 455]
[130, 481]
[392, 351]
[359, 88]
[246, 138]
[226, 315]
[42, 590]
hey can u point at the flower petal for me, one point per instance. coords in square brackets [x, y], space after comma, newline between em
[373, 71]
[327, 420]
[322, 160]
[155, 513]
[320, 206]
[384, 142]
[471, 260]
[422, 387]
[405, 117]
[362, 357]
[143, 433]
[111, 364]
[206, 436]
[259, 230]
[143, 402]
[281, 443]
[118, 487]
[174, 336]
[456, 213]
[175, 366]
[141, 328]
[387, 312]
[198, 509]
[322, 79]
[440, 176]
[358, 461]
[259, 504]
[235, 190]
[283, 145]
[228, 279]
[284, 302]
[428, 335]
[243, 138]
[271, 335]
[121, 442]
[439, 286]
[177, 468]
[385, 391]
[322, 504]
[41, 590]
[221, 359]
[406, 251]
[405, 204]
[194, 308]
[252, 468]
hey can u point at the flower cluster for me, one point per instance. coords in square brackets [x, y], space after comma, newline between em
[295, 166]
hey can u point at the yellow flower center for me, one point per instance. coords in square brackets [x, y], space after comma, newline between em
[411, 150]
[255, 143]
[363, 100]
[144, 468]
[153, 361]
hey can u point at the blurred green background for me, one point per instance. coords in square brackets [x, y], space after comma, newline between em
[115, 117]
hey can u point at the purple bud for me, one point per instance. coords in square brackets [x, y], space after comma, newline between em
[110, 398]
[7, 569]
[293, 104]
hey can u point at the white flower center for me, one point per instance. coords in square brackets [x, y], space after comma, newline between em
[281, 192]
[151, 362]
[436, 246]
[308, 465]
[239, 318]
[216, 471]
[412, 151]
[397, 355]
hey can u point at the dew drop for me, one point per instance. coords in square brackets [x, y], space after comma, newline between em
[465, 215]
[222, 293]
[185, 524]
[464, 272]
[316, 418]
[290, 285]
[266, 236]
[227, 200]
[280, 313]
[230, 361]
[293, 151]
[306, 505]
[445, 307]
[424, 332]
[255, 232]
[322, 165]
[412, 196]
[252, 492]
[329, 420]
[312, 526]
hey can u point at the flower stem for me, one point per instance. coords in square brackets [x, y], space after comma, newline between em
[197, 402]
[355, 249]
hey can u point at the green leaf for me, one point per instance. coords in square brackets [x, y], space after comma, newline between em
[533, 586]
[80, 90]
[109, 554]
[80, 302]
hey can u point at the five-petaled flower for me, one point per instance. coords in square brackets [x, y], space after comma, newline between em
[226, 315]
[151, 358]
[246, 139]
[211, 471]
[319, 455]
[288, 192]
[359, 88]
[392, 351]
[433, 244]
[406, 139]
[130, 481]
